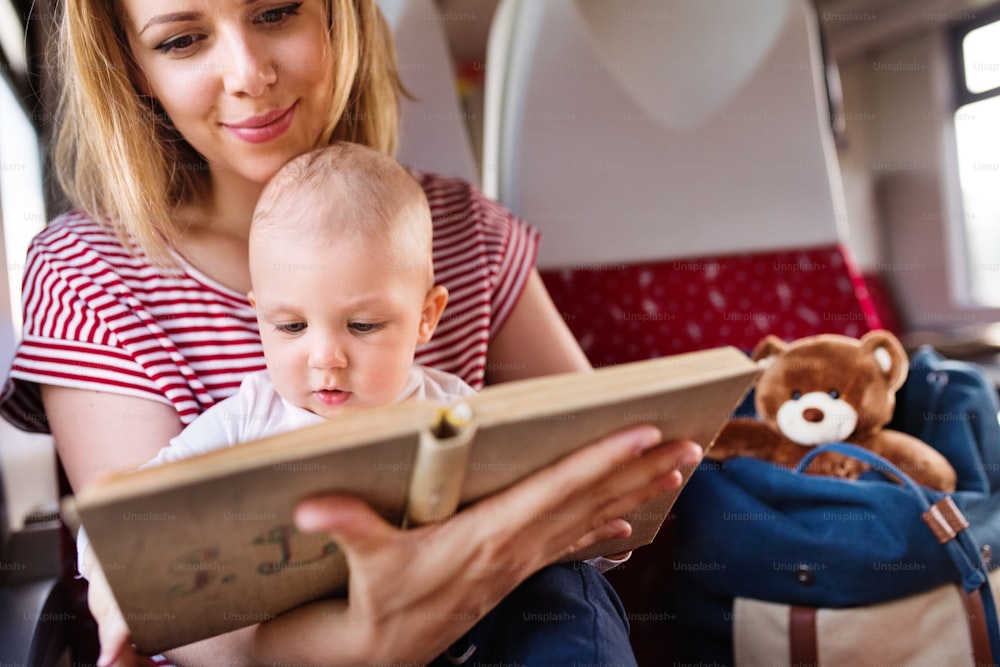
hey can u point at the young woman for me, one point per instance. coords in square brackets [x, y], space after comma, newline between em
[174, 114]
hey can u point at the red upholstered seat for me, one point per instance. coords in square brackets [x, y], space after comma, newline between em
[625, 312]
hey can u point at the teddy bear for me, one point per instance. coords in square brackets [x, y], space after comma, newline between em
[831, 388]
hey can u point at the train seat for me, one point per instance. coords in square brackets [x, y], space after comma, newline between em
[679, 160]
[434, 132]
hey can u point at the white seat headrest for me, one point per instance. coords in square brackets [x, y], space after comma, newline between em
[683, 81]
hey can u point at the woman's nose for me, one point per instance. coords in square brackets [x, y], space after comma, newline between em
[248, 68]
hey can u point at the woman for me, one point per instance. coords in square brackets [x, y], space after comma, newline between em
[174, 113]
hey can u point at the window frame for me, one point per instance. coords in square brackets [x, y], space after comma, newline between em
[963, 95]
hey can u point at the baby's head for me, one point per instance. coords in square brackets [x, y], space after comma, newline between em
[342, 275]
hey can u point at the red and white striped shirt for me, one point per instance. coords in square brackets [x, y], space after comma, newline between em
[97, 317]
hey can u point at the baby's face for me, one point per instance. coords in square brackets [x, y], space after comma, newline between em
[339, 322]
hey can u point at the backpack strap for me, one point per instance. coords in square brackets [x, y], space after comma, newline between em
[803, 648]
[978, 630]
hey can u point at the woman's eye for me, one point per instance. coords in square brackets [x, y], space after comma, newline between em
[293, 328]
[277, 15]
[179, 44]
[364, 327]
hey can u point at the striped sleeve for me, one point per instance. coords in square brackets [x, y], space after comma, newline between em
[98, 318]
[483, 255]
[515, 246]
[64, 343]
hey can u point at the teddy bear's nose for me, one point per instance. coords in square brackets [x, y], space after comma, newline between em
[812, 415]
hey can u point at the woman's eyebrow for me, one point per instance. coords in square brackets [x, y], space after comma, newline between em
[179, 16]
[170, 18]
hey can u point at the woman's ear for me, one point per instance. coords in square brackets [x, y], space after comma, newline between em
[430, 315]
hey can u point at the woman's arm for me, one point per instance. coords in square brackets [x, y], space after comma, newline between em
[534, 340]
[97, 433]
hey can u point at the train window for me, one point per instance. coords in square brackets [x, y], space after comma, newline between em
[21, 192]
[977, 134]
[979, 54]
[26, 460]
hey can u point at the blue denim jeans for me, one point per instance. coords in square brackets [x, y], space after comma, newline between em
[563, 616]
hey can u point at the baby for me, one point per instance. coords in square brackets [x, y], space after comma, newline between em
[343, 288]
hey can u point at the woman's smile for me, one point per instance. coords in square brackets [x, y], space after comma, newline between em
[264, 127]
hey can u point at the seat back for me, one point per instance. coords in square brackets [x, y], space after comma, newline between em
[434, 128]
[678, 157]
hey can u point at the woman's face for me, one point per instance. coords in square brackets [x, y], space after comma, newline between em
[247, 83]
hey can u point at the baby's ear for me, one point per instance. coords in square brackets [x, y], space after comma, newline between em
[252, 300]
[430, 315]
[889, 355]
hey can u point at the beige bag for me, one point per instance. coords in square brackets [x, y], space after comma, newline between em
[943, 627]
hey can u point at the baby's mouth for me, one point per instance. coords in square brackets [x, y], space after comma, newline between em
[332, 396]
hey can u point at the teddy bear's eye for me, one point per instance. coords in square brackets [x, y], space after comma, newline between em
[796, 395]
[834, 393]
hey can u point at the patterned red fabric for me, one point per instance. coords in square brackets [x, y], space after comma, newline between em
[627, 312]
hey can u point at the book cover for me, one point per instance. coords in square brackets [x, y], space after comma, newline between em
[206, 545]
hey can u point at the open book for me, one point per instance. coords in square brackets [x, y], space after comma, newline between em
[206, 545]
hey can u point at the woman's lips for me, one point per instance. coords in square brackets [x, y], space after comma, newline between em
[263, 128]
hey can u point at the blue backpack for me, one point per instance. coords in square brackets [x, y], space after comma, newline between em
[750, 529]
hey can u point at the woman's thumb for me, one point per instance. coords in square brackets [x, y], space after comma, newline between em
[351, 522]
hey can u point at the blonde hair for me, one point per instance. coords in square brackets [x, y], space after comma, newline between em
[351, 192]
[116, 154]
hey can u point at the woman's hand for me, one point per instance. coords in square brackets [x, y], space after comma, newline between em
[413, 593]
[116, 649]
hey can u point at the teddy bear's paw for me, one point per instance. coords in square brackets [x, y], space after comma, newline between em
[832, 464]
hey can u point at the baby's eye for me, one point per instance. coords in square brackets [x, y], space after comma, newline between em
[834, 393]
[364, 327]
[796, 395]
[292, 327]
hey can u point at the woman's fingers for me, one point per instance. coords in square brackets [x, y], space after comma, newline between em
[618, 466]
[639, 481]
[345, 517]
[614, 529]
[573, 501]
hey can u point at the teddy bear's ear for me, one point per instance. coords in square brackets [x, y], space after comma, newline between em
[889, 354]
[767, 349]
